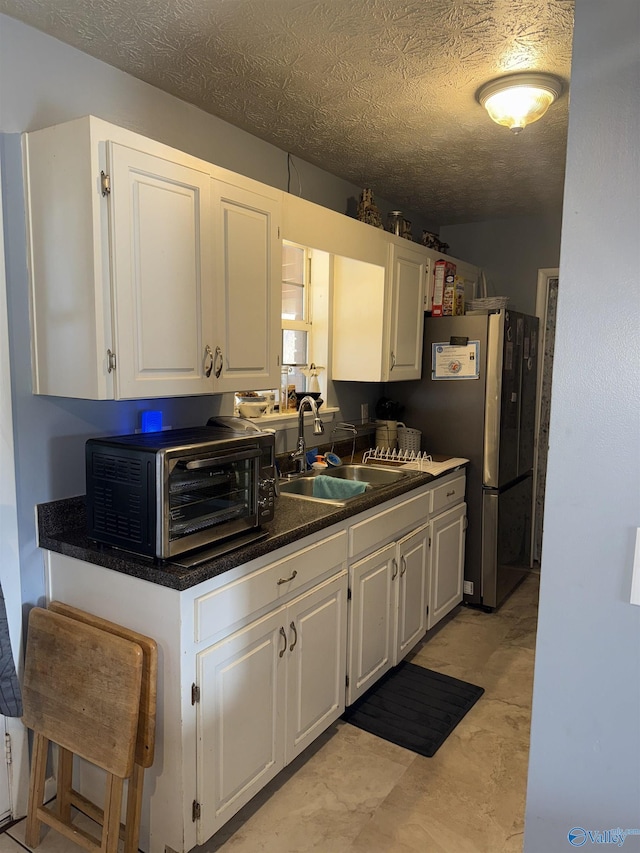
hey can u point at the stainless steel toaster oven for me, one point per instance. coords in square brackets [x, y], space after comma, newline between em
[166, 494]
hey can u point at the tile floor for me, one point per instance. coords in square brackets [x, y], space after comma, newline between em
[354, 793]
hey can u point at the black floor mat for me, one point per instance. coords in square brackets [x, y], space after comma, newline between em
[414, 707]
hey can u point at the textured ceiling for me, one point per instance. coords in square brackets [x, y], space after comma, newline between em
[380, 92]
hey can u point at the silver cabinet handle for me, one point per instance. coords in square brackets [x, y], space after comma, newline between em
[395, 569]
[218, 355]
[208, 355]
[403, 564]
[393, 359]
[283, 634]
[295, 637]
[293, 575]
[450, 494]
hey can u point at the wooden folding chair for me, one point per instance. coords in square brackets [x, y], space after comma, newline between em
[145, 741]
[81, 691]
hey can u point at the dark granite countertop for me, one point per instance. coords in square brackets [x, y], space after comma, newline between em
[62, 528]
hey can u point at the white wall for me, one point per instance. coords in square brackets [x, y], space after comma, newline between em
[585, 745]
[510, 251]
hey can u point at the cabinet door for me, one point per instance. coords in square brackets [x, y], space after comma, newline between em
[240, 730]
[408, 274]
[161, 275]
[413, 590]
[447, 562]
[317, 631]
[371, 638]
[248, 288]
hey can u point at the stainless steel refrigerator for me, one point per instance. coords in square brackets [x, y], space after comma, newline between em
[477, 399]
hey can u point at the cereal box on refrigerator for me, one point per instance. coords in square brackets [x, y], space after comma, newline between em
[453, 298]
[445, 273]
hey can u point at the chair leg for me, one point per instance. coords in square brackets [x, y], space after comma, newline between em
[112, 809]
[64, 786]
[36, 789]
[134, 810]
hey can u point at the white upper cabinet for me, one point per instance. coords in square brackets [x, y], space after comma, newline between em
[382, 285]
[378, 315]
[153, 273]
[161, 275]
[407, 280]
[247, 268]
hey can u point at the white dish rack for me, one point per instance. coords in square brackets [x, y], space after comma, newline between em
[414, 460]
[385, 454]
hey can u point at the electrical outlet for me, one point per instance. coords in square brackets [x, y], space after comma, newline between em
[364, 412]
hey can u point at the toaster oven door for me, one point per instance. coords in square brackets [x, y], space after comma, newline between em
[209, 497]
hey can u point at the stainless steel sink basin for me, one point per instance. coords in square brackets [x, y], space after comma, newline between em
[375, 476]
[302, 486]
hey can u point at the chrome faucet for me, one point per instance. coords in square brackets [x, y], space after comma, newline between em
[299, 454]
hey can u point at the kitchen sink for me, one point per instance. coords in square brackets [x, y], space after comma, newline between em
[302, 486]
[375, 476]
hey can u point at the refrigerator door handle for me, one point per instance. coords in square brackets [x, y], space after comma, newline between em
[489, 590]
[491, 462]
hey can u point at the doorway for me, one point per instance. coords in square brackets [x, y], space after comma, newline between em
[546, 309]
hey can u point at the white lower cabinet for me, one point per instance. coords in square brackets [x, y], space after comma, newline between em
[371, 620]
[413, 591]
[239, 726]
[405, 586]
[266, 692]
[448, 523]
[253, 662]
[447, 532]
[388, 613]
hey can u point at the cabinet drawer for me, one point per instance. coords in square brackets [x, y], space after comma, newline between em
[235, 601]
[448, 494]
[373, 532]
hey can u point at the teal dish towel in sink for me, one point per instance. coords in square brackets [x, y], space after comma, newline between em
[334, 488]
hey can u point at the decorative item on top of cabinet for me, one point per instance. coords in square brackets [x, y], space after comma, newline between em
[395, 222]
[368, 210]
[432, 241]
[406, 229]
[125, 300]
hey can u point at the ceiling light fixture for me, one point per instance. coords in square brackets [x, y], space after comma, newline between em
[519, 99]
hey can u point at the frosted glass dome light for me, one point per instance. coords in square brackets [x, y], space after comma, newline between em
[519, 99]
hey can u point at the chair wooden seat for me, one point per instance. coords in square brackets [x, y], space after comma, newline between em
[82, 691]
